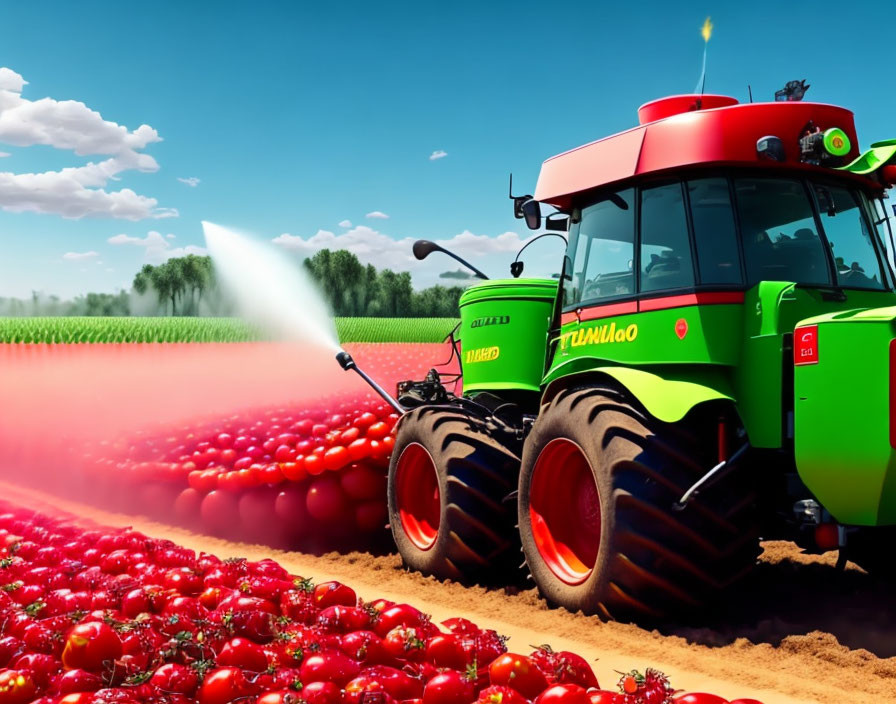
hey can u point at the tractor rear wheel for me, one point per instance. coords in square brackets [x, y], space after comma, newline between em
[448, 480]
[598, 480]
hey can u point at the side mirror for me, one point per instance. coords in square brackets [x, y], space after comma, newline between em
[423, 248]
[532, 213]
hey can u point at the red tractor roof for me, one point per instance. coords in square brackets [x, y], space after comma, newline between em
[689, 130]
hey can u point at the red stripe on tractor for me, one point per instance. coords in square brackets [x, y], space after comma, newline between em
[691, 299]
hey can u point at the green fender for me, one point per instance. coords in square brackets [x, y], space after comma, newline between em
[666, 398]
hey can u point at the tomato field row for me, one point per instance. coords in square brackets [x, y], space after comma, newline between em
[131, 329]
[291, 461]
[97, 616]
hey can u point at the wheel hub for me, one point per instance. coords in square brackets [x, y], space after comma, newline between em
[417, 495]
[564, 510]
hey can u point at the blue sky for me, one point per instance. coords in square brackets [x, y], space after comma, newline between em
[297, 117]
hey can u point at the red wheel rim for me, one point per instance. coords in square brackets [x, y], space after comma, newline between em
[417, 495]
[564, 509]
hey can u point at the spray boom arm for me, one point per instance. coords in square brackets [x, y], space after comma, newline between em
[346, 362]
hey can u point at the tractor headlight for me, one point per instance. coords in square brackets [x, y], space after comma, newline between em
[826, 147]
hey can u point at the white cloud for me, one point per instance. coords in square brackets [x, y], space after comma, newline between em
[73, 192]
[3, 154]
[170, 236]
[377, 215]
[10, 80]
[438, 154]
[345, 223]
[191, 181]
[80, 256]
[384, 252]
[156, 248]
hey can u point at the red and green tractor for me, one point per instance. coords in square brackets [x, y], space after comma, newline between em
[714, 364]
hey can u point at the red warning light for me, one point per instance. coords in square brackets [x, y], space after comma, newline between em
[805, 345]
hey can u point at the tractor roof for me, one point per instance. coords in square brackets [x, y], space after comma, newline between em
[686, 131]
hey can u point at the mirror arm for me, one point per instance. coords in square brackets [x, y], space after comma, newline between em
[467, 264]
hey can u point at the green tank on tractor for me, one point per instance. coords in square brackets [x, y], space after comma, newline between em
[714, 365]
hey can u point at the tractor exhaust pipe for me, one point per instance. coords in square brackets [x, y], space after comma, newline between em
[346, 362]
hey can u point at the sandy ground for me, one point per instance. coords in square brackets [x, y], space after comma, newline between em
[797, 632]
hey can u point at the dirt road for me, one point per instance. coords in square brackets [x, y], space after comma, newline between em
[797, 632]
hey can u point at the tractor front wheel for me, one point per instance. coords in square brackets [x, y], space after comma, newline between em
[598, 481]
[448, 480]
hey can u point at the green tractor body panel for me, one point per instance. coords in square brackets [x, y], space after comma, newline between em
[843, 440]
[504, 331]
[674, 359]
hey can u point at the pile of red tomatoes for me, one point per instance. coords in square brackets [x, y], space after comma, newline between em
[114, 617]
[310, 477]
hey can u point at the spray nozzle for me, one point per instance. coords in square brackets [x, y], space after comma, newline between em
[345, 360]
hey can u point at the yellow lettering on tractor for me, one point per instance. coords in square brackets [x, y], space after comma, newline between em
[482, 354]
[597, 335]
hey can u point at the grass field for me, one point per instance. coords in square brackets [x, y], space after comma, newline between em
[73, 329]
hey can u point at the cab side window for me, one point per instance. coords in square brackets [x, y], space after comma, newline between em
[718, 258]
[666, 261]
[603, 250]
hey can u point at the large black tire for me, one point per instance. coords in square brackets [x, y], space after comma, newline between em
[469, 527]
[604, 493]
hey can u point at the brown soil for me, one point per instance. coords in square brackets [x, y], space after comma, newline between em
[799, 631]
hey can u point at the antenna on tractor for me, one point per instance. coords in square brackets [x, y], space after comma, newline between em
[750, 91]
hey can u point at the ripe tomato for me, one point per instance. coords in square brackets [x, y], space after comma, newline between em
[16, 687]
[321, 693]
[73, 681]
[745, 701]
[501, 695]
[280, 696]
[343, 619]
[244, 654]
[405, 644]
[604, 696]
[398, 684]
[366, 647]
[446, 650]
[223, 685]
[378, 431]
[183, 580]
[449, 687]
[334, 594]
[313, 465]
[698, 698]
[361, 482]
[399, 615]
[333, 667]
[564, 667]
[89, 645]
[175, 678]
[359, 449]
[360, 689]
[336, 458]
[518, 672]
[564, 694]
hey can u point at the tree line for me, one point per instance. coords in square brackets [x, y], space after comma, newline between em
[186, 286]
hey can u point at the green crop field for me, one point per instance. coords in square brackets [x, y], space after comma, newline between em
[74, 329]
